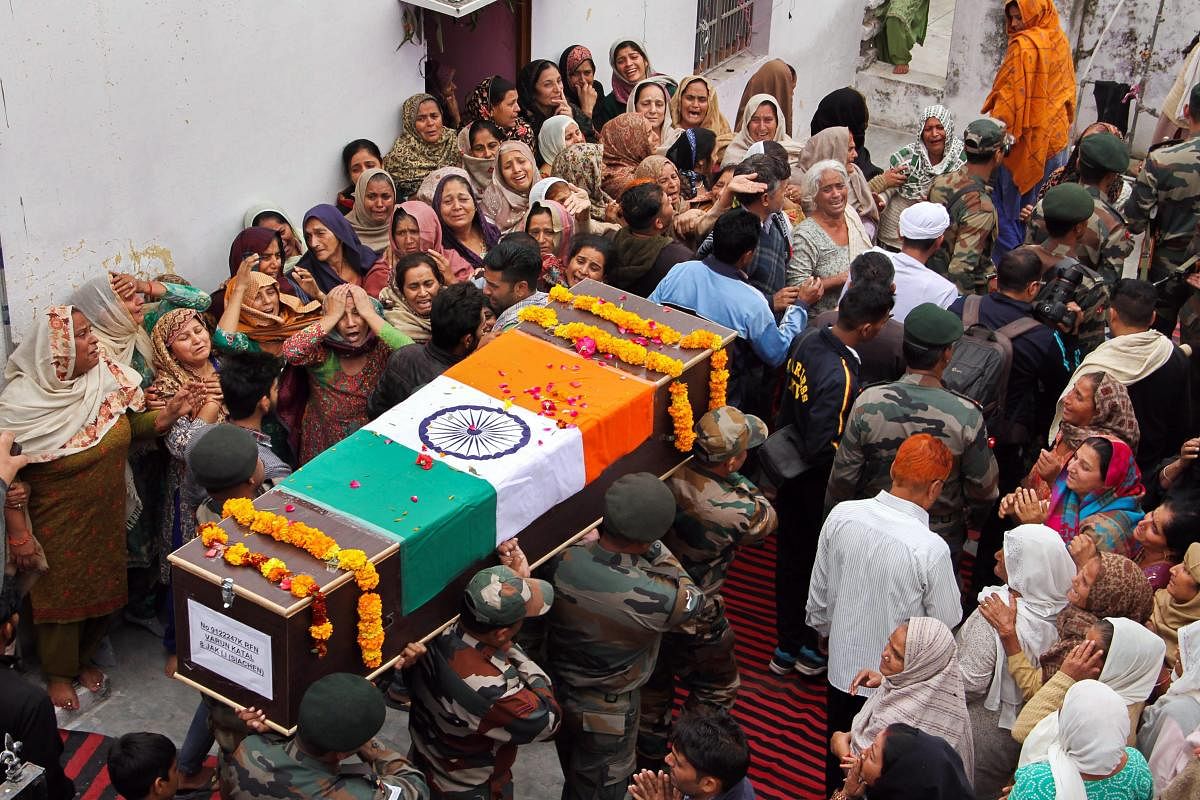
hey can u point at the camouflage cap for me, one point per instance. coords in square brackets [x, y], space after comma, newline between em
[930, 325]
[726, 432]
[340, 713]
[983, 136]
[1105, 151]
[639, 507]
[499, 596]
[1069, 203]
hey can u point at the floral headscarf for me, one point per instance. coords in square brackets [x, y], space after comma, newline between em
[651, 168]
[625, 140]
[169, 372]
[1069, 172]
[582, 165]
[1122, 488]
[479, 106]
[915, 156]
[1114, 415]
[411, 157]
[572, 59]
[504, 204]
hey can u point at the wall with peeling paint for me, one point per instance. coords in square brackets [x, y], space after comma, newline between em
[134, 134]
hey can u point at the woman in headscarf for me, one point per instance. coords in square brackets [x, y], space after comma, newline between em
[479, 143]
[837, 144]
[467, 234]
[258, 316]
[847, 108]
[651, 99]
[1037, 573]
[273, 217]
[74, 410]
[507, 198]
[762, 122]
[919, 683]
[912, 168]
[904, 763]
[692, 155]
[582, 165]
[416, 229]
[578, 70]
[1130, 659]
[374, 201]
[344, 353]
[695, 107]
[496, 99]
[1175, 715]
[660, 170]
[1087, 756]
[424, 144]
[1096, 495]
[1179, 603]
[830, 237]
[630, 65]
[777, 79]
[335, 256]
[557, 134]
[552, 228]
[408, 300]
[269, 247]
[541, 95]
[1033, 94]
[627, 140]
[358, 155]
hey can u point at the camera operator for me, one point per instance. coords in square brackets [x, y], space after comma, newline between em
[1073, 296]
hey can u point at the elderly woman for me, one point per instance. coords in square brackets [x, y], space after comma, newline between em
[1175, 715]
[777, 79]
[75, 410]
[837, 144]
[919, 684]
[651, 99]
[479, 142]
[830, 237]
[335, 256]
[257, 316]
[627, 141]
[912, 168]
[695, 107]
[557, 134]
[506, 200]
[552, 228]
[408, 300]
[540, 93]
[374, 201]
[904, 763]
[467, 234]
[1095, 494]
[273, 217]
[578, 70]
[660, 170]
[1179, 603]
[344, 354]
[582, 165]
[1037, 571]
[496, 99]
[424, 144]
[357, 156]
[1086, 756]
[630, 66]
[762, 121]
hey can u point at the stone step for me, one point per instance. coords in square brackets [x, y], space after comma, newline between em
[896, 101]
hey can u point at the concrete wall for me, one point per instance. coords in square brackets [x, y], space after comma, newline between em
[135, 134]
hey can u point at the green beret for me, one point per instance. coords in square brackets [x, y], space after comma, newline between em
[1069, 203]
[223, 456]
[340, 713]
[1105, 151]
[930, 325]
[639, 507]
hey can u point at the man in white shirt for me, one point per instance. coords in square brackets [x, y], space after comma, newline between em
[877, 565]
[922, 229]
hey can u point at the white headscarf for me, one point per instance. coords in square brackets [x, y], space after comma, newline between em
[667, 133]
[1040, 570]
[552, 137]
[1188, 684]
[1090, 738]
[741, 144]
[119, 335]
[297, 232]
[537, 192]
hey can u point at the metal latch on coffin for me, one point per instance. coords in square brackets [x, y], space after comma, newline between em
[227, 593]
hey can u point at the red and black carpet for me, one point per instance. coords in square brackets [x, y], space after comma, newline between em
[84, 758]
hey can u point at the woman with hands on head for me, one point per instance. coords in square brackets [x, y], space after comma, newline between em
[258, 316]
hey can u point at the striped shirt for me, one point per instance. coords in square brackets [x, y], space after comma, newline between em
[877, 565]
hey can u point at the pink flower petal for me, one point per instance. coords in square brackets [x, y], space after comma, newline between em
[289, 508]
[413, 498]
[355, 484]
[576, 384]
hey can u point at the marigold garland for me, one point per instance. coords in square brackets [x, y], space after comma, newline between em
[701, 339]
[611, 312]
[212, 534]
[680, 410]
[628, 352]
[276, 571]
[370, 628]
[718, 379]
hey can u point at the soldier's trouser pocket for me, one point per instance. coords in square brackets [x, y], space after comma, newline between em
[596, 744]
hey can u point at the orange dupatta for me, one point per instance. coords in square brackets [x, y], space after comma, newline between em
[294, 316]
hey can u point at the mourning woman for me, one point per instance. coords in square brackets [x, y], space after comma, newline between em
[541, 94]
[424, 144]
[335, 256]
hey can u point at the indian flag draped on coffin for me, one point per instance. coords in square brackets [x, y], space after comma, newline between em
[506, 434]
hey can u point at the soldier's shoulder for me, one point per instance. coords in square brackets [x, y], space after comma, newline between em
[1186, 152]
[967, 411]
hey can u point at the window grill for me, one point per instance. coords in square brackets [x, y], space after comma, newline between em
[723, 30]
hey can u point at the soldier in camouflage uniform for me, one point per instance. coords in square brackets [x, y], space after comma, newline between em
[339, 716]
[616, 595]
[965, 255]
[476, 695]
[1105, 243]
[717, 510]
[886, 414]
[1168, 189]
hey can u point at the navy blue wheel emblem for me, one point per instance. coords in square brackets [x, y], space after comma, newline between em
[476, 433]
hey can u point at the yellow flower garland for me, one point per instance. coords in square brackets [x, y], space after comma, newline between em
[618, 316]
[680, 410]
[370, 628]
[718, 379]
[628, 352]
[701, 339]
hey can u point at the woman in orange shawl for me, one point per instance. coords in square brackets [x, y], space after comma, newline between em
[1034, 95]
[257, 316]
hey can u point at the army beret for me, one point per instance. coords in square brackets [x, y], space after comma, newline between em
[223, 456]
[340, 713]
[930, 325]
[1105, 151]
[726, 432]
[639, 507]
[499, 596]
[1069, 203]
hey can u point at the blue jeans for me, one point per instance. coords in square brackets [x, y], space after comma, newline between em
[1009, 202]
[196, 744]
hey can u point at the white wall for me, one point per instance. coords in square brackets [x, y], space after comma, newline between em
[136, 133]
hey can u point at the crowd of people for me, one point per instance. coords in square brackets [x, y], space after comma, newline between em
[962, 389]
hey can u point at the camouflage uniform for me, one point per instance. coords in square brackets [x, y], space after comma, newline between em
[265, 767]
[605, 630]
[884, 416]
[965, 255]
[471, 706]
[1105, 244]
[715, 515]
[1092, 297]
